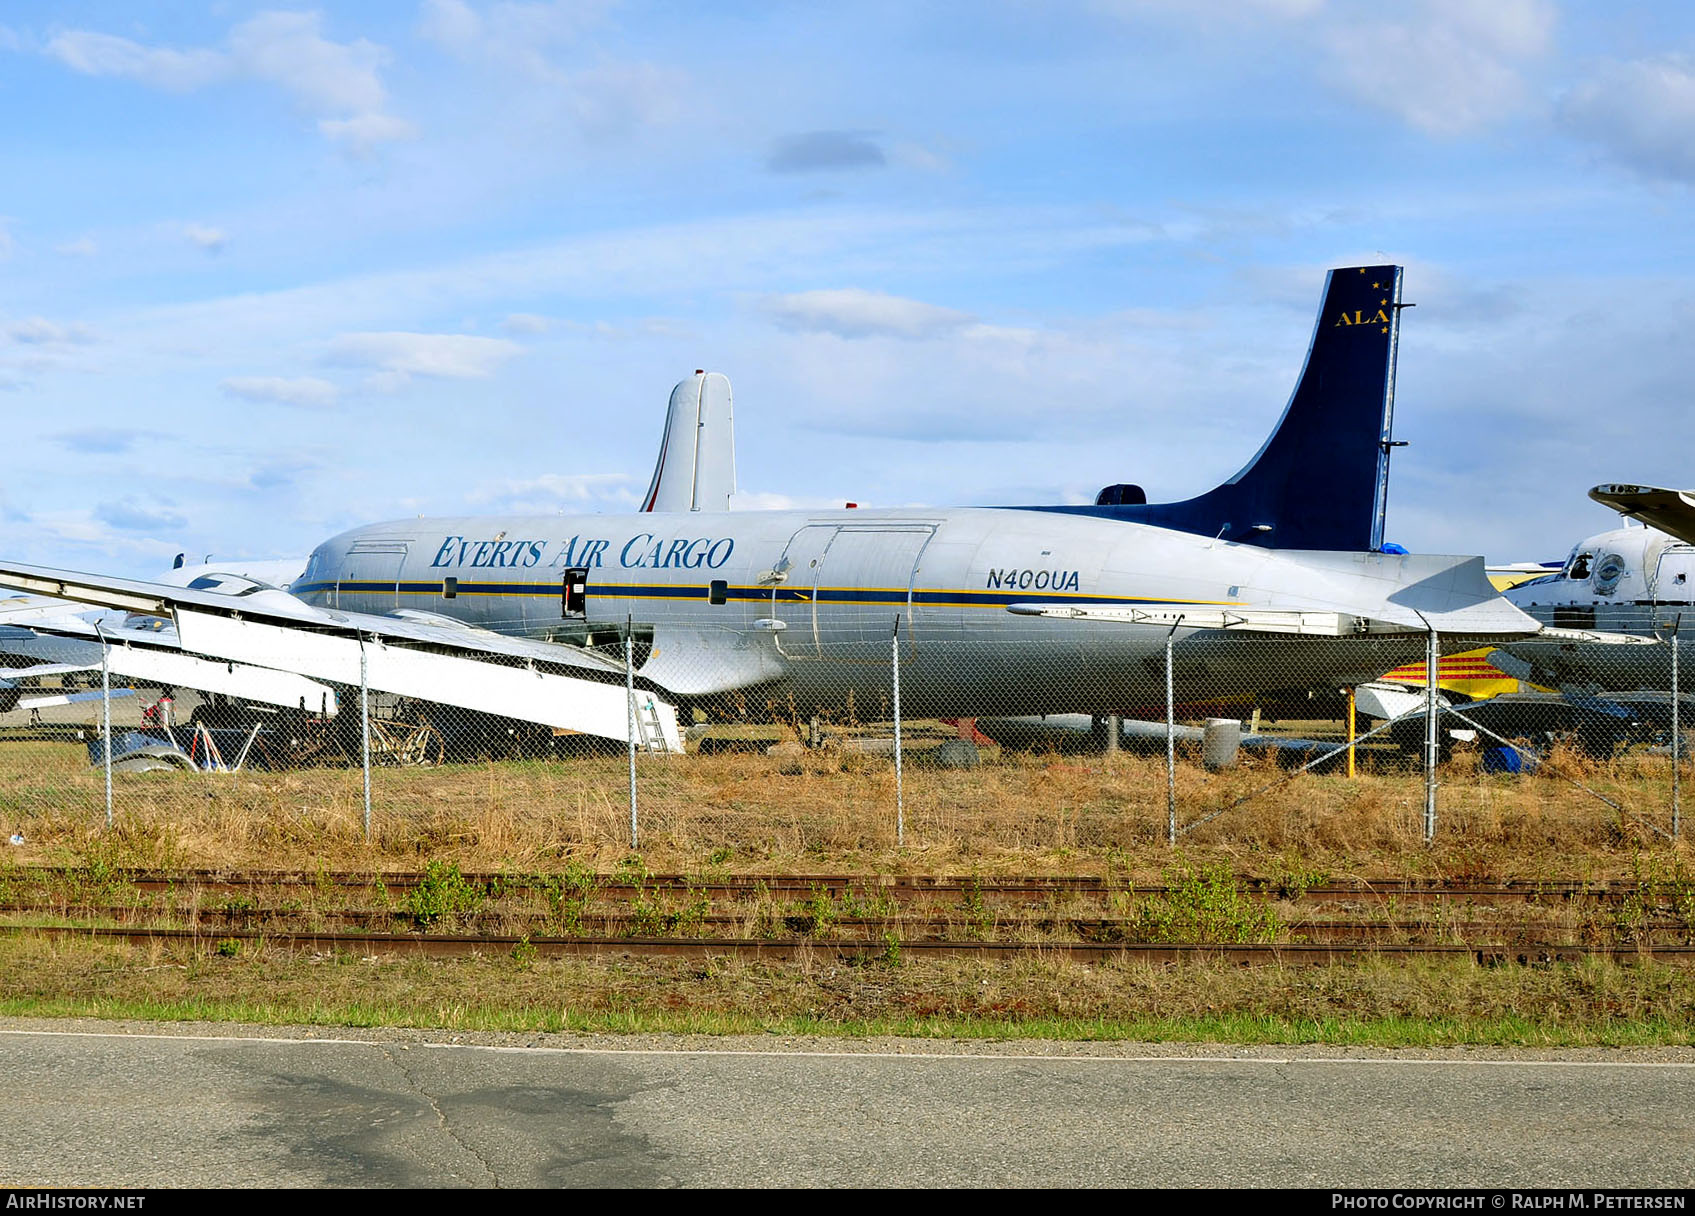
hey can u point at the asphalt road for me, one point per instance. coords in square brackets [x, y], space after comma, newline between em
[157, 1106]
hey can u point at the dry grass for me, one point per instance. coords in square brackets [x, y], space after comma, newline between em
[834, 812]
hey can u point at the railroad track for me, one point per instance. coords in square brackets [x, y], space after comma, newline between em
[1010, 889]
[1044, 929]
[1254, 954]
[848, 915]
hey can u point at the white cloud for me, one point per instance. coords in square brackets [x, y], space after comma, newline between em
[1641, 113]
[764, 500]
[853, 312]
[95, 54]
[212, 240]
[38, 331]
[613, 98]
[518, 32]
[363, 132]
[338, 81]
[1227, 9]
[526, 323]
[1450, 67]
[524, 45]
[287, 50]
[452, 24]
[398, 356]
[83, 247]
[306, 391]
[551, 492]
[134, 515]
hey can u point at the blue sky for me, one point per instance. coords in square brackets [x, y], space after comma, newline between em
[266, 273]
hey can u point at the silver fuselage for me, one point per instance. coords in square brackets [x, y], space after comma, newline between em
[820, 603]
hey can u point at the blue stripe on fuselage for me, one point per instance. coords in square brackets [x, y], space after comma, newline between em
[786, 595]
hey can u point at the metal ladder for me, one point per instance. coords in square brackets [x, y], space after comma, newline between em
[652, 734]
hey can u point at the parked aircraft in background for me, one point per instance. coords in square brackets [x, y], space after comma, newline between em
[1671, 511]
[1603, 673]
[1634, 582]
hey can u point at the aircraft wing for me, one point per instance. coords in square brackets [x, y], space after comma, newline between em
[45, 700]
[45, 669]
[154, 655]
[1352, 594]
[432, 660]
[1671, 511]
[26, 609]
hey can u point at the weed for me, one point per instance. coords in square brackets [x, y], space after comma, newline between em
[324, 887]
[687, 920]
[891, 949]
[229, 947]
[1295, 881]
[1654, 892]
[524, 953]
[1205, 904]
[443, 892]
[647, 917]
[819, 911]
[859, 906]
[979, 921]
[580, 879]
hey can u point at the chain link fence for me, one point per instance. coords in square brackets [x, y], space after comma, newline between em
[877, 729]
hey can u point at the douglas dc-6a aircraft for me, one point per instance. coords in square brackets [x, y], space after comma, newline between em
[990, 610]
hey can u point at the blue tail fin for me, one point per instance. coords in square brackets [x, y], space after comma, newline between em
[1321, 480]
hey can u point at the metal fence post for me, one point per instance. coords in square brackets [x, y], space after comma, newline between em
[900, 792]
[1676, 736]
[630, 695]
[365, 733]
[106, 715]
[1170, 740]
[1432, 749]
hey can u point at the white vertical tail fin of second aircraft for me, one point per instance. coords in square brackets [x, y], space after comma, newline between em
[696, 470]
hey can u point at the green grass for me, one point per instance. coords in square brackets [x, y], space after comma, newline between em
[1240, 1029]
[1367, 1005]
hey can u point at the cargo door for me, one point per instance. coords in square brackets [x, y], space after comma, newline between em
[370, 576]
[866, 587]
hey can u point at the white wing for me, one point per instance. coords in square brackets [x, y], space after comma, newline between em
[449, 663]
